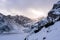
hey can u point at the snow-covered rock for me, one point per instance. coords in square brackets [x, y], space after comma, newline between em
[40, 32]
[9, 23]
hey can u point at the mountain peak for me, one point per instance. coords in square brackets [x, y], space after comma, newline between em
[58, 2]
[7, 23]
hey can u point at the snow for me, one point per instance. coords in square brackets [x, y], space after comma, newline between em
[12, 36]
[53, 34]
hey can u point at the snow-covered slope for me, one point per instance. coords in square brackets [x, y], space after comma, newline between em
[51, 33]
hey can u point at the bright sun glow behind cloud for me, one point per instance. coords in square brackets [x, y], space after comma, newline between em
[36, 13]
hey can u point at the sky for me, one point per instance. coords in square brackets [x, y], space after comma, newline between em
[28, 8]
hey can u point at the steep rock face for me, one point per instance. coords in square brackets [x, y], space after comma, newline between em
[20, 19]
[53, 16]
[56, 5]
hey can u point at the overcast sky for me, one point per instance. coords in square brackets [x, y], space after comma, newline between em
[29, 8]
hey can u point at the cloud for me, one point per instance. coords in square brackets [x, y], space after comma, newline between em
[26, 7]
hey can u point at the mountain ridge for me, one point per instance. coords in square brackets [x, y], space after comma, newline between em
[7, 22]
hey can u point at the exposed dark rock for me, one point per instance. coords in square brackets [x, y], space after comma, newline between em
[53, 16]
[44, 38]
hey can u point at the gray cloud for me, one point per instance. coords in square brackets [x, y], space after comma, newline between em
[20, 6]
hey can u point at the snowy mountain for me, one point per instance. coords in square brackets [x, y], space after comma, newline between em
[48, 24]
[9, 23]
[45, 29]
